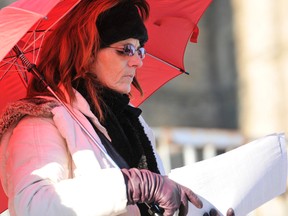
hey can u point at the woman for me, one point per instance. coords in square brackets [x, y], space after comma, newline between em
[49, 164]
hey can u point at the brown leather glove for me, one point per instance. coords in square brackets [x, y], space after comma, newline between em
[145, 186]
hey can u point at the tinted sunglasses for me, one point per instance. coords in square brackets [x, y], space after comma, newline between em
[130, 50]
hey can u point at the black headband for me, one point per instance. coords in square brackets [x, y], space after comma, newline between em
[119, 23]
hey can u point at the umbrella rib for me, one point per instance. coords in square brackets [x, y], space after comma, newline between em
[41, 37]
[34, 38]
[8, 69]
[27, 11]
[22, 74]
[171, 65]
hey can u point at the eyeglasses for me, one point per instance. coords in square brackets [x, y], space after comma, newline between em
[130, 50]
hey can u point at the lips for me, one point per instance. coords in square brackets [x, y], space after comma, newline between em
[131, 75]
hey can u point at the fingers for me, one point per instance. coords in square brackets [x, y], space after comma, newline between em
[230, 212]
[192, 197]
[188, 195]
[212, 212]
[183, 210]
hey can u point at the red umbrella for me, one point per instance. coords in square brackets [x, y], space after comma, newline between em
[171, 25]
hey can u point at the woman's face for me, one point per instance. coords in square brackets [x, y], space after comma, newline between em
[114, 69]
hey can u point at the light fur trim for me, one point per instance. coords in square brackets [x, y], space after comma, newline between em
[16, 111]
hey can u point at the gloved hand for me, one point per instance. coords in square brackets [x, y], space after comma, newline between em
[145, 186]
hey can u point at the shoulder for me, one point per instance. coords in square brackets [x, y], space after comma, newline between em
[34, 107]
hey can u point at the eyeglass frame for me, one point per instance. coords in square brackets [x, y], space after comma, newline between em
[130, 50]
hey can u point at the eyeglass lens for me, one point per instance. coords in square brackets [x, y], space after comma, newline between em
[129, 49]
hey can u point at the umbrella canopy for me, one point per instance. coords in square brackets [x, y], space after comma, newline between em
[25, 23]
[171, 26]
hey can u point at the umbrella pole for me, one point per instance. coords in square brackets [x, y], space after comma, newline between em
[32, 68]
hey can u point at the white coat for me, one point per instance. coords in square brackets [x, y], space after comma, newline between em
[49, 166]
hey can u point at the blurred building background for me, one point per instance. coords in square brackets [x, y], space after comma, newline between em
[237, 89]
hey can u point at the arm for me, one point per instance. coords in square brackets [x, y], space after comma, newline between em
[38, 175]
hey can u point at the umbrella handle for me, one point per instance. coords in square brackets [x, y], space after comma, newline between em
[30, 67]
[154, 210]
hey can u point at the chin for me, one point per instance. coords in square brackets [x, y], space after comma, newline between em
[124, 90]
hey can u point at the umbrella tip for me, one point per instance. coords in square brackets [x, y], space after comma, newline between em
[183, 71]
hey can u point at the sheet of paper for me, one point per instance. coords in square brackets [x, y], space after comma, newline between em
[243, 178]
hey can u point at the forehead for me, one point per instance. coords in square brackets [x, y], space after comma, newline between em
[133, 41]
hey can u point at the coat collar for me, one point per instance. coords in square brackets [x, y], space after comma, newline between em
[80, 104]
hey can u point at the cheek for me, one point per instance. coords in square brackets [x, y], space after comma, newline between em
[108, 73]
[109, 67]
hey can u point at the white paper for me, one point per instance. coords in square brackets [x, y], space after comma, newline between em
[242, 179]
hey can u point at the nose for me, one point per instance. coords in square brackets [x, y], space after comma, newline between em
[135, 61]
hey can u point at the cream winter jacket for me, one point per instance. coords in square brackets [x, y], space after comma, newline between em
[49, 166]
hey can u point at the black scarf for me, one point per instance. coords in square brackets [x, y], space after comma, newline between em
[126, 131]
[124, 128]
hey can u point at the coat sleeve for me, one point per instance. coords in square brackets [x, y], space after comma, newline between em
[38, 174]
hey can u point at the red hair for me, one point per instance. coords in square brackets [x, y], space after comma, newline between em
[66, 53]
